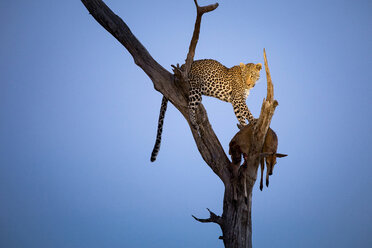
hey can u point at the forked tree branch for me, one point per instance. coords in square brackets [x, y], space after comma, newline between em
[177, 93]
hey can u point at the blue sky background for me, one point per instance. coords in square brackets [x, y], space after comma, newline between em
[78, 122]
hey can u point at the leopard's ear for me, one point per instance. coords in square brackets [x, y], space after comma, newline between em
[242, 65]
[259, 66]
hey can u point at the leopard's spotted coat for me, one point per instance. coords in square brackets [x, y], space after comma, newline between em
[211, 78]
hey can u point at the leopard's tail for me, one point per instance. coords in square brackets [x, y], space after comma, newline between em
[156, 149]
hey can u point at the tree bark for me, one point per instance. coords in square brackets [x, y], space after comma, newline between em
[238, 179]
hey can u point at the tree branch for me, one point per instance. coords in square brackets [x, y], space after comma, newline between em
[195, 36]
[212, 218]
[116, 26]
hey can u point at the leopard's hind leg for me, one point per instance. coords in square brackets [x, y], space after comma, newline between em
[194, 100]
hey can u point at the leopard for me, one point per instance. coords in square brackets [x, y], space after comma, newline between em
[210, 78]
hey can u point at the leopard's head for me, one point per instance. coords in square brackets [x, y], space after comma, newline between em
[250, 73]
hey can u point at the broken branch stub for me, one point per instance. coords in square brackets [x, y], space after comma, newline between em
[270, 87]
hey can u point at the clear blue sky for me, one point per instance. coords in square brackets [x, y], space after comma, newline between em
[78, 123]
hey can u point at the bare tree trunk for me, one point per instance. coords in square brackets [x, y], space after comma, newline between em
[236, 223]
[237, 228]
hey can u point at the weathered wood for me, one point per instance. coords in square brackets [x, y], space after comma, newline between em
[235, 221]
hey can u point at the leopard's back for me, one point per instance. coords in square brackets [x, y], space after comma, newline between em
[213, 79]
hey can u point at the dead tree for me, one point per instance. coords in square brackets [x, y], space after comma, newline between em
[235, 222]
